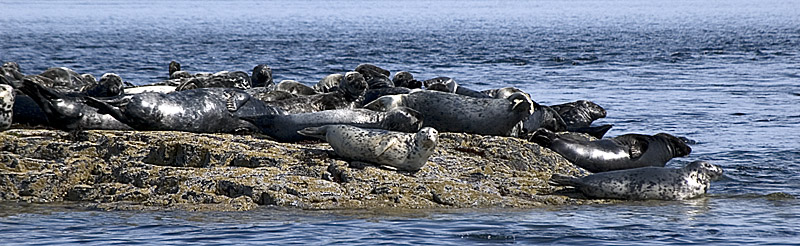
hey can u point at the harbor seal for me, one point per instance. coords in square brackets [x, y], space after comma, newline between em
[295, 87]
[67, 112]
[224, 79]
[406, 79]
[621, 152]
[65, 79]
[173, 67]
[204, 110]
[329, 83]
[6, 106]
[375, 76]
[445, 84]
[449, 112]
[404, 151]
[110, 85]
[645, 183]
[283, 128]
[349, 94]
[579, 113]
[262, 76]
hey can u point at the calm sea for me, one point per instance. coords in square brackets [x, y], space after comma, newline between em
[723, 73]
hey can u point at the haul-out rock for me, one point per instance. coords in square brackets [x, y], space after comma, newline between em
[180, 170]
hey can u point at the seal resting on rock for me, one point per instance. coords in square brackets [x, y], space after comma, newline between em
[350, 91]
[449, 112]
[621, 152]
[645, 183]
[284, 128]
[404, 151]
[329, 83]
[6, 106]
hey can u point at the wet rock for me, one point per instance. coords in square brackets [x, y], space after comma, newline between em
[179, 170]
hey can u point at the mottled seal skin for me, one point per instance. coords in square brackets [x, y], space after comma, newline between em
[373, 94]
[544, 117]
[406, 79]
[224, 79]
[618, 153]
[348, 96]
[268, 95]
[206, 110]
[148, 88]
[329, 83]
[68, 112]
[65, 79]
[173, 67]
[404, 151]
[284, 128]
[449, 112]
[504, 92]
[375, 76]
[6, 106]
[445, 84]
[646, 183]
[110, 85]
[295, 87]
[262, 76]
[580, 113]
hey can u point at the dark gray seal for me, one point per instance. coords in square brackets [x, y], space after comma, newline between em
[110, 85]
[206, 110]
[449, 112]
[224, 79]
[67, 112]
[173, 67]
[406, 79]
[404, 151]
[375, 76]
[329, 83]
[262, 76]
[65, 79]
[348, 96]
[580, 113]
[646, 183]
[284, 128]
[295, 87]
[621, 152]
[268, 95]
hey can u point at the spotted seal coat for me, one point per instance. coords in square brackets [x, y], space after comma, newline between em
[6, 106]
[329, 83]
[645, 183]
[348, 96]
[449, 112]
[621, 152]
[404, 151]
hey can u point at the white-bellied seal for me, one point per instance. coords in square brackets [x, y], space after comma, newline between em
[284, 128]
[224, 79]
[348, 96]
[67, 112]
[6, 106]
[329, 83]
[295, 87]
[621, 152]
[406, 79]
[206, 110]
[645, 183]
[404, 151]
[449, 112]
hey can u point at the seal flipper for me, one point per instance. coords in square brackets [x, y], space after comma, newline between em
[105, 107]
[563, 180]
[543, 137]
[385, 144]
[594, 131]
[315, 132]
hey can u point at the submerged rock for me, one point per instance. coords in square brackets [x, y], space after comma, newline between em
[180, 170]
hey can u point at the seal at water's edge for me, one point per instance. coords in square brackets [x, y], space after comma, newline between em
[404, 151]
[6, 106]
[283, 128]
[448, 112]
[645, 183]
[621, 152]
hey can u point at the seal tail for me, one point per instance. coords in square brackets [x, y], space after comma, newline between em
[543, 137]
[563, 180]
[315, 132]
[594, 131]
[41, 95]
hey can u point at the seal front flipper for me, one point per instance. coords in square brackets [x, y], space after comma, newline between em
[387, 143]
[594, 131]
[315, 132]
[543, 137]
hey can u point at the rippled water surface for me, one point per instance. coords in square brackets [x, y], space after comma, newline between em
[723, 73]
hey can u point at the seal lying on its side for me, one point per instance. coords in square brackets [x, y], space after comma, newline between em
[350, 91]
[206, 110]
[449, 112]
[645, 183]
[622, 152]
[6, 106]
[404, 151]
[284, 128]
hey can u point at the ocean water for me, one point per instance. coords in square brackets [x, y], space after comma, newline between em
[725, 74]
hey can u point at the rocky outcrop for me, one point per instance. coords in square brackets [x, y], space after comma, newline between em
[179, 170]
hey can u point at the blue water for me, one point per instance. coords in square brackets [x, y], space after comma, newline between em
[723, 73]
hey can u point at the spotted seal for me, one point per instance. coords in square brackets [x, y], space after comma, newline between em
[404, 151]
[262, 76]
[329, 83]
[110, 84]
[349, 94]
[621, 152]
[579, 113]
[206, 110]
[406, 79]
[645, 183]
[295, 87]
[65, 79]
[284, 128]
[375, 76]
[6, 106]
[224, 79]
[449, 112]
[445, 84]
[67, 112]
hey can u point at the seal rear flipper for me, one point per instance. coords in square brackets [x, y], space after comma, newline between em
[104, 107]
[315, 132]
[563, 180]
[543, 137]
[594, 131]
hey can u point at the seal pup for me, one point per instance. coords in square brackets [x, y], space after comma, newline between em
[375, 76]
[349, 94]
[224, 79]
[404, 151]
[67, 112]
[621, 152]
[6, 106]
[449, 112]
[205, 110]
[329, 83]
[283, 128]
[645, 183]
[406, 79]
[295, 87]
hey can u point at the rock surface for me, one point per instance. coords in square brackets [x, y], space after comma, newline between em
[179, 170]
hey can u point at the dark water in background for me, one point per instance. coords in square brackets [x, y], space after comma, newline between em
[723, 73]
